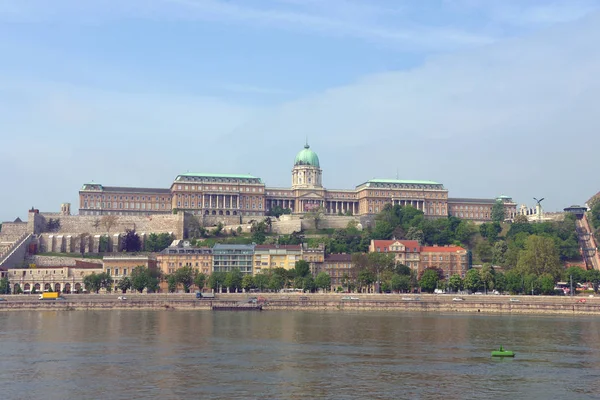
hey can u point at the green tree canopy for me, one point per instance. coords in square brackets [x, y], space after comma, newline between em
[323, 281]
[539, 257]
[302, 268]
[498, 211]
[429, 280]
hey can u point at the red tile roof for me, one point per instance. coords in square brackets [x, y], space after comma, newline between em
[387, 243]
[441, 249]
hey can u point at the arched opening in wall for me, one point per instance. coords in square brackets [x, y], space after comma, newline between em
[214, 213]
[206, 212]
[235, 213]
[77, 287]
[220, 212]
[67, 288]
[227, 213]
[57, 287]
[47, 287]
[27, 287]
[36, 287]
[16, 288]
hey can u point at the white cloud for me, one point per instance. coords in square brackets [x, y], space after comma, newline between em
[484, 122]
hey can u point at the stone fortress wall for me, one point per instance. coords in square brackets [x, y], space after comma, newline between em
[82, 233]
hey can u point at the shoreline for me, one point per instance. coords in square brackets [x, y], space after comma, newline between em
[543, 305]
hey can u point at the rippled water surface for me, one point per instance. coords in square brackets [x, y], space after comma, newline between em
[294, 355]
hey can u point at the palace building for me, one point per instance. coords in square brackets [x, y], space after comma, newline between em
[247, 195]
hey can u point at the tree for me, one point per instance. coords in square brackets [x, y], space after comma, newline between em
[499, 253]
[216, 281]
[498, 214]
[124, 285]
[195, 229]
[172, 283]
[185, 276]
[520, 219]
[4, 285]
[302, 268]
[157, 242]
[96, 224]
[218, 229]
[455, 283]
[415, 233]
[316, 216]
[276, 282]
[261, 281]
[200, 280]
[487, 275]
[472, 280]
[465, 231]
[92, 283]
[108, 222]
[429, 280]
[131, 241]
[247, 282]
[82, 239]
[53, 225]
[106, 281]
[579, 275]
[593, 276]
[323, 281]
[400, 283]
[141, 278]
[546, 283]
[308, 284]
[514, 281]
[365, 279]
[233, 280]
[540, 256]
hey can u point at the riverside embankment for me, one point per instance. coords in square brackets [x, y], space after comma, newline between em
[334, 302]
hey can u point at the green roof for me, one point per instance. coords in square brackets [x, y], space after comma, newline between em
[307, 157]
[225, 176]
[201, 175]
[397, 181]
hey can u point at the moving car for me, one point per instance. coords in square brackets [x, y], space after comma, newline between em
[515, 300]
[122, 298]
[458, 299]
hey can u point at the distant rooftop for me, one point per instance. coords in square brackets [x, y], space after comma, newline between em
[209, 175]
[399, 183]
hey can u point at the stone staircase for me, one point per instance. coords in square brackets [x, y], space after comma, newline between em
[12, 255]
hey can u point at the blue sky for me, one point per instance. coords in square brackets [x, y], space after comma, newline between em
[478, 95]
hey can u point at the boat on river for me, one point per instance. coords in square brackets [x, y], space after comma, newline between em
[503, 353]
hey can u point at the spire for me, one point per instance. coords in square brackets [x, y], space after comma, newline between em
[306, 146]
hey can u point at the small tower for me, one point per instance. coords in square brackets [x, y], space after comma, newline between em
[307, 173]
[65, 209]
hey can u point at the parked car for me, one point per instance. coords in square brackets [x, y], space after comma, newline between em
[477, 293]
[2, 299]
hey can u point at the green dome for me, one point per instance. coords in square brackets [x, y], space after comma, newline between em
[307, 157]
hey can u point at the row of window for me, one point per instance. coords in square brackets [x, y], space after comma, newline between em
[126, 205]
[405, 194]
[219, 188]
[142, 198]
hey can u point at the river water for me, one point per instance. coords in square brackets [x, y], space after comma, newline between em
[295, 355]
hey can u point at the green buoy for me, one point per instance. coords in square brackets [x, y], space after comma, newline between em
[503, 353]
